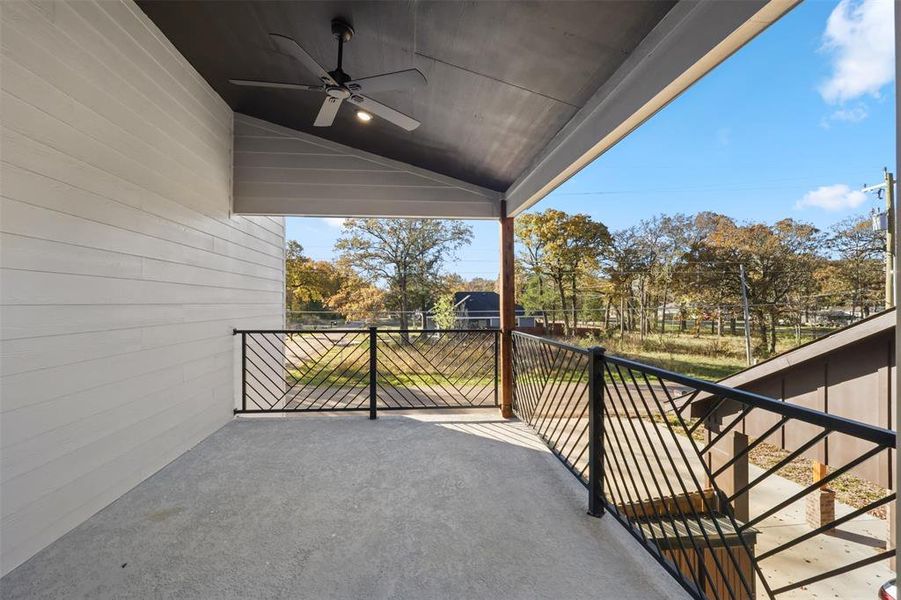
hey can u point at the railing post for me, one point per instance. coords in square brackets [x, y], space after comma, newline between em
[373, 371]
[497, 349]
[596, 431]
[244, 371]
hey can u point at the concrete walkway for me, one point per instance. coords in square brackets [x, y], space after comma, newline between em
[425, 505]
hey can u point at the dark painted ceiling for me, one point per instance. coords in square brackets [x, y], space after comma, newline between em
[504, 77]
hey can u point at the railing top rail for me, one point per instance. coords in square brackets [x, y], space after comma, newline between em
[239, 331]
[365, 330]
[474, 330]
[545, 340]
[871, 433]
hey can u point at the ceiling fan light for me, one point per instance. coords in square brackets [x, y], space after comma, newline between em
[364, 116]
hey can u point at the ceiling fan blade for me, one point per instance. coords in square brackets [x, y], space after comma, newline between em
[385, 112]
[400, 80]
[275, 84]
[327, 113]
[288, 46]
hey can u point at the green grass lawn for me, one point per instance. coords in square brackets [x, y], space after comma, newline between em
[706, 356]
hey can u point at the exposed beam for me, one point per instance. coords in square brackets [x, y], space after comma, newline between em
[692, 39]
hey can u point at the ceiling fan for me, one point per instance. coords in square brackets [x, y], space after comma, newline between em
[338, 85]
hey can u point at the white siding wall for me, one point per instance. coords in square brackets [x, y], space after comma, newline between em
[122, 270]
[281, 171]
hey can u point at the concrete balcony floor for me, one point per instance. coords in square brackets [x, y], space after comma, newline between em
[417, 505]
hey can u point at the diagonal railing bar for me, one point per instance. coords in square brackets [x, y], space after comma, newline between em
[479, 364]
[553, 394]
[698, 488]
[568, 407]
[689, 398]
[413, 387]
[275, 354]
[815, 486]
[781, 464]
[545, 360]
[828, 526]
[402, 353]
[353, 369]
[888, 554]
[639, 532]
[723, 431]
[582, 417]
[482, 357]
[327, 364]
[669, 441]
[673, 493]
[426, 361]
[703, 419]
[397, 363]
[262, 397]
[647, 499]
[412, 367]
[353, 364]
[558, 396]
[728, 509]
[261, 367]
[525, 380]
[310, 352]
[750, 447]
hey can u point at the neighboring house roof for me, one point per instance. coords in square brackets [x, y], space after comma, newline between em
[876, 324]
[482, 304]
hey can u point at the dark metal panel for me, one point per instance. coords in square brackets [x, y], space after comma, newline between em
[504, 77]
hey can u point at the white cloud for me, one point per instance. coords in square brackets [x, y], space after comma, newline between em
[860, 40]
[832, 197]
[850, 115]
[334, 221]
[855, 114]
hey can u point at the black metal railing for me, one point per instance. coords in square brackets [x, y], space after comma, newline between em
[367, 370]
[709, 479]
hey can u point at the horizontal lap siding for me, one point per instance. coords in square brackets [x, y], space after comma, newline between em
[281, 171]
[123, 272]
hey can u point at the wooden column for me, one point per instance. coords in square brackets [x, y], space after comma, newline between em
[508, 316]
[735, 477]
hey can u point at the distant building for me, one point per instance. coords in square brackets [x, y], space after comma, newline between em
[481, 310]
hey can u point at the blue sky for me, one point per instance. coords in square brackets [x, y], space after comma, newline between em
[792, 125]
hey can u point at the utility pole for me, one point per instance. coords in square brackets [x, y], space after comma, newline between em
[744, 300]
[889, 239]
[886, 222]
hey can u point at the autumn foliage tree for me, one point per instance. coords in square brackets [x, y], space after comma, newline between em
[558, 249]
[406, 256]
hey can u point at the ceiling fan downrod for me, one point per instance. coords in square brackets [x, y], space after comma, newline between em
[343, 32]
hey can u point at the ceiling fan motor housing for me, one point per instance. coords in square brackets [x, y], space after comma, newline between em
[342, 30]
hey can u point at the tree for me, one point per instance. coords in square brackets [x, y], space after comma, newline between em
[294, 263]
[406, 255]
[480, 284]
[357, 299]
[779, 259]
[858, 268]
[560, 248]
[444, 312]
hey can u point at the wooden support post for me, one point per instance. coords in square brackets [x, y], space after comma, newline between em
[819, 471]
[508, 316]
[821, 503]
[735, 477]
